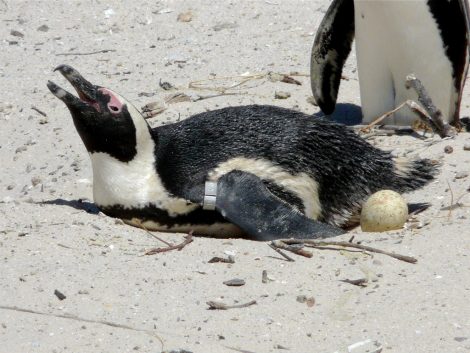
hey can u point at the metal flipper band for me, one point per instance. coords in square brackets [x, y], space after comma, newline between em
[210, 195]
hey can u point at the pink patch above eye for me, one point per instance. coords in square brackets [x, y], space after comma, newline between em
[114, 105]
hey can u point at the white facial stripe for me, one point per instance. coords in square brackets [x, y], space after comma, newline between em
[301, 184]
[135, 183]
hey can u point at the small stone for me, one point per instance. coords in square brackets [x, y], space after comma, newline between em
[185, 17]
[59, 295]
[16, 33]
[11, 187]
[43, 28]
[6, 108]
[466, 147]
[460, 339]
[278, 346]
[310, 302]
[83, 291]
[36, 180]
[281, 95]
[166, 85]
[224, 25]
[461, 175]
[21, 149]
[301, 298]
[236, 282]
[448, 149]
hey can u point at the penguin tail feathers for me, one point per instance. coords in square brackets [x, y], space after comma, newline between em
[412, 174]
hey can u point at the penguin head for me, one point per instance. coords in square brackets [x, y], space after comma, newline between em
[105, 121]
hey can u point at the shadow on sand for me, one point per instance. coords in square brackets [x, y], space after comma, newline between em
[77, 204]
[345, 113]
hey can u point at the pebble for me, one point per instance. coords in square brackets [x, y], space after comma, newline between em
[16, 33]
[367, 346]
[185, 17]
[83, 291]
[59, 295]
[6, 108]
[236, 282]
[466, 147]
[224, 25]
[303, 299]
[448, 149]
[281, 95]
[21, 149]
[35, 180]
[461, 175]
[11, 187]
[43, 28]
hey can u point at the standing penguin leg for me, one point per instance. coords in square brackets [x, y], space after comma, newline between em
[376, 80]
[243, 199]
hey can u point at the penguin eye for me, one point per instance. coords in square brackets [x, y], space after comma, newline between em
[114, 109]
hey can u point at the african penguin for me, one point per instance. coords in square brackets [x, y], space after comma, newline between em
[393, 39]
[262, 171]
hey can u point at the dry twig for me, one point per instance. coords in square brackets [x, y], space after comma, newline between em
[434, 120]
[87, 53]
[361, 282]
[321, 244]
[77, 318]
[285, 256]
[187, 239]
[39, 111]
[213, 305]
[298, 249]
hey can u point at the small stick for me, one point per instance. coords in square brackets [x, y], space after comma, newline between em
[436, 121]
[87, 53]
[276, 244]
[283, 244]
[77, 318]
[422, 114]
[382, 117]
[264, 276]
[153, 235]
[361, 282]
[238, 350]
[213, 305]
[187, 239]
[39, 111]
[285, 256]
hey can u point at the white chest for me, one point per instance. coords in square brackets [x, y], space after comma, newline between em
[133, 184]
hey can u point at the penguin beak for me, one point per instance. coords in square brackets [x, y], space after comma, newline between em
[87, 92]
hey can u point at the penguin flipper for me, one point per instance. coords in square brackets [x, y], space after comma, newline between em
[330, 50]
[243, 199]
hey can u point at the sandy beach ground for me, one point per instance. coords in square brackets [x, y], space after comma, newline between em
[52, 237]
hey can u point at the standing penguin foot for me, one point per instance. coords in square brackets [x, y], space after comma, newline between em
[243, 199]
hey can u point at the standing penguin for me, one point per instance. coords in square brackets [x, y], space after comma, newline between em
[263, 171]
[393, 39]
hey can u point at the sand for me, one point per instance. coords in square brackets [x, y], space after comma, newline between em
[53, 238]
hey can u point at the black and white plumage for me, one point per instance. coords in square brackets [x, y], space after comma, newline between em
[394, 39]
[279, 172]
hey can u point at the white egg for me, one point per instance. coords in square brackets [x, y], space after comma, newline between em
[384, 210]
